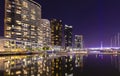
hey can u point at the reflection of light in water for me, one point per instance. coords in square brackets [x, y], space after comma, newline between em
[66, 74]
[71, 56]
[115, 55]
[70, 75]
[96, 55]
[101, 56]
[42, 66]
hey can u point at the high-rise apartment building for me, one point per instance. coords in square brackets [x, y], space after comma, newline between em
[79, 41]
[68, 36]
[21, 19]
[44, 33]
[56, 32]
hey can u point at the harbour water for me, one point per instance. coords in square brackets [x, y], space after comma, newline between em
[51, 65]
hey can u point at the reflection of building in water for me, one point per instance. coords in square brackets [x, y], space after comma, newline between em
[56, 67]
[79, 61]
[119, 62]
[67, 65]
[26, 66]
[37, 65]
[115, 60]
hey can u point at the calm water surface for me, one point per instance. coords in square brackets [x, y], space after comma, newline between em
[48, 65]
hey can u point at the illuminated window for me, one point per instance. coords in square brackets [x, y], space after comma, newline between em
[33, 11]
[25, 17]
[24, 29]
[25, 4]
[17, 2]
[7, 43]
[19, 7]
[25, 33]
[18, 34]
[8, 10]
[13, 33]
[56, 27]
[9, 19]
[32, 16]
[12, 26]
[9, 6]
[18, 28]
[32, 37]
[32, 29]
[18, 22]
[8, 28]
[18, 12]
[8, 34]
[18, 38]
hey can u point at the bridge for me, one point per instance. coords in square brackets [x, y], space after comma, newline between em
[105, 50]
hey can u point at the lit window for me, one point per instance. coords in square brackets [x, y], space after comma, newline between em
[25, 33]
[9, 19]
[13, 6]
[18, 22]
[18, 34]
[33, 11]
[24, 29]
[19, 7]
[17, 2]
[25, 17]
[18, 39]
[25, 25]
[32, 29]
[8, 28]
[32, 17]
[8, 34]
[8, 10]
[32, 37]
[13, 33]
[25, 4]
[56, 27]
[18, 12]
[32, 26]
[9, 6]
[18, 28]
[7, 43]
[12, 26]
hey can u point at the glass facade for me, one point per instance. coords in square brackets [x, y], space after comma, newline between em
[44, 33]
[22, 19]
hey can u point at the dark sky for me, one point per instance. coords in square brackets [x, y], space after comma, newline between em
[96, 20]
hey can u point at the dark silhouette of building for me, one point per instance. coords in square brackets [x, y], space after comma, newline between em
[68, 36]
[56, 32]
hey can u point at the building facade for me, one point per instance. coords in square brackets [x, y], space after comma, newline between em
[21, 20]
[68, 36]
[79, 41]
[44, 33]
[56, 32]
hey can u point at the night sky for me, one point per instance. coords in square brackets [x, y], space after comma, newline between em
[96, 20]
